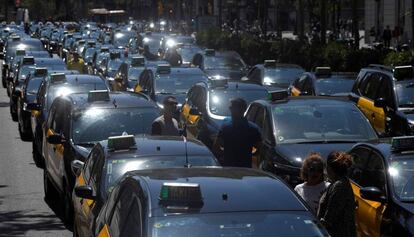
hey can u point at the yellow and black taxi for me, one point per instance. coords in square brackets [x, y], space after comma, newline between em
[386, 96]
[220, 64]
[164, 80]
[323, 82]
[53, 86]
[128, 74]
[206, 107]
[204, 202]
[79, 120]
[382, 180]
[273, 74]
[112, 158]
[293, 127]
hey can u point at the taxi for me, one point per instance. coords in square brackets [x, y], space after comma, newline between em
[112, 158]
[382, 181]
[204, 202]
[386, 96]
[293, 127]
[165, 80]
[93, 117]
[220, 64]
[273, 74]
[128, 73]
[323, 82]
[206, 106]
[53, 86]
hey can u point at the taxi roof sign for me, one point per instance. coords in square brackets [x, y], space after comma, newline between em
[98, 95]
[163, 69]
[270, 63]
[400, 144]
[278, 95]
[28, 60]
[118, 143]
[20, 52]
[104, 49]
[15, 38]
[40, 72]
[403, 72]
[137, 61]
[210, 52]
[323, 71]
[114, 55]
[181, 195]
[219, 83]
[57, 77]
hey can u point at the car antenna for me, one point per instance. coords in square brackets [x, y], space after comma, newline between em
[187, 163]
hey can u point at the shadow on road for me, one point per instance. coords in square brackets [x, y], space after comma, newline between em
[4, 104]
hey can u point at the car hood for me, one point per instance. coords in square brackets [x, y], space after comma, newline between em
[224, 73]
[296, 153]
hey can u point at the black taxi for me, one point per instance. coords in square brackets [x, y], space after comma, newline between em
[206, 107]
[53, 86]
[386, 96]
[323, 82]
[382, 180]
[204, 202]
[79, 120]
[293, 127]
[112, 158]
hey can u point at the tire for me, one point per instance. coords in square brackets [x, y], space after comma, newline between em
[3, 82]
[13, 114]
[25, 136]
[67, 206]
[37, 157]
[50, 192]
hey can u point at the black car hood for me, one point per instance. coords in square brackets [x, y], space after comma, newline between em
[292, 152]
[224, 73]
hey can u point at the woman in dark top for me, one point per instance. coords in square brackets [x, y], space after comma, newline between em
[337, 204]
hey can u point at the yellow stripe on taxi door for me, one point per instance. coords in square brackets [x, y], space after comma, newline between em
[191, 119]
[374, 114]
[295, 91]
[104, 232]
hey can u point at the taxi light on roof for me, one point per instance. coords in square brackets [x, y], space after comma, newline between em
[28, 60]
[118, 143]
[20, 52]
[210, 52]
[15, 38]
[181, 195]
[98, 95]
[278, 95]
[40, 72]
[399, 144]
[219, 83]
[115, 55]
[323, 71]
[403, 72]
[163, 69]
[57, 77]
[104, 49]
[138, 61]
[270, 63]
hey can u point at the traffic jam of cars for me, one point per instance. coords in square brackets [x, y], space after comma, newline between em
[86, 96]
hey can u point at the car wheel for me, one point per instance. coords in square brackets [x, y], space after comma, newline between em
[3, 81]
[67, 206]
[13, 114]
[37, 157]
[50, 191]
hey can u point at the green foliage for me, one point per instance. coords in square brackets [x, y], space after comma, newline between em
[398, 58]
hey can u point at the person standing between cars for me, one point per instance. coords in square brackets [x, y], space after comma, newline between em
[237, 137]
[76, 63]
[337, 205]
[312, 172]
[174, 58]
[166, 124]
[386, 36]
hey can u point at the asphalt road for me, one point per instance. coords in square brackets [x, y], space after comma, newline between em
[23, 211]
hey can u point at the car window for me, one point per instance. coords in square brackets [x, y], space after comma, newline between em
[251, 113]
[254, 75]
[360, 158]
[94, 180]
[385, 90]
[375, 172]
[133, 225]
[119, 214]
[371, 86]
[260, 117]
[90, 163]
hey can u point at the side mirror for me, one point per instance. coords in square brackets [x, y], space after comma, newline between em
[2, 56]
[372, 194]
[33, 106]
[76, 167]
[55, 139]
[194, 112]
[85, 192]
[380, 103]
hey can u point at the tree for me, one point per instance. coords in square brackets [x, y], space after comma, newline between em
[355, 23]
[323, 9]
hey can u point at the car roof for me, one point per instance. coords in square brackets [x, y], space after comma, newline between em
[48, 61]
[384, 147]
[161, 146]
[245, 189]
[309, 99]
[237, 85]
[120, 99]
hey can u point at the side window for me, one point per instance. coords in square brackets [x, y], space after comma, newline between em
[200, 99]
[50, 119]
[94, 180]
[371, 86]
[120, 211]
[301, 83]
[254, 75]
[385, 90]
[90, 163]
[133, 225]
[59, 117]
[375, 172]
[307, 86]
[267, 128]
[251, 113]
[360, 158]
[259, 120]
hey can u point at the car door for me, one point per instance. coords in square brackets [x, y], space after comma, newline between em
[368, 170]
[190, 120]
[369, 91]
[49, 149]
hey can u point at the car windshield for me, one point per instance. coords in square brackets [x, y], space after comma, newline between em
[122, 38]
[96, 124]
[188, 53]
[223, 62]
[219, 100]
[405, 93]
[402, 178]
[25, 70]
[282, 76]
[134, 73]
[114, 65]
[320, 121]
[33, 85]
[116, 167]
[178, 83]
[333, 86]
[252, 224]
